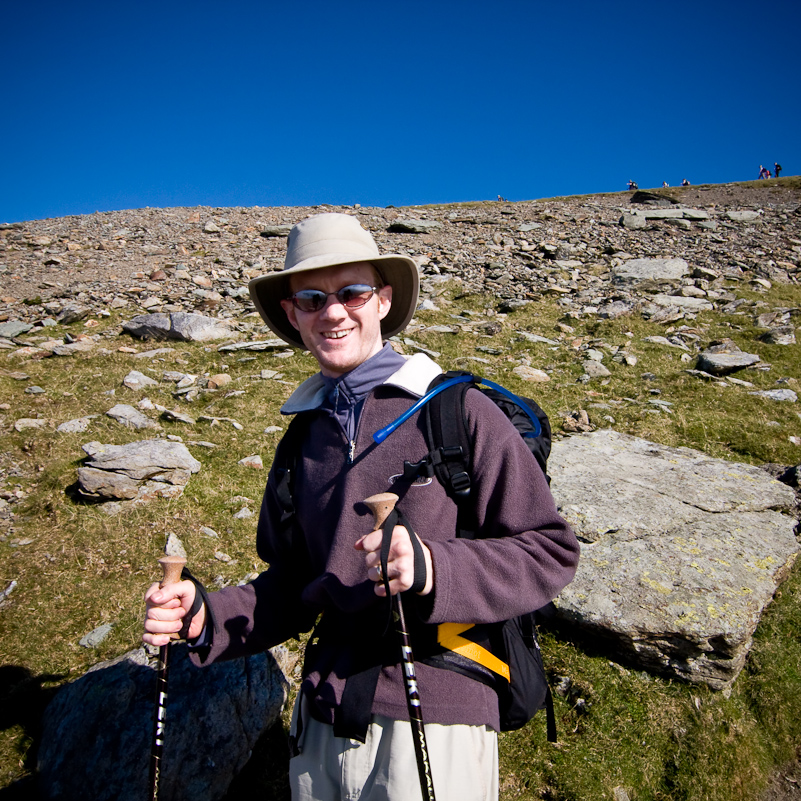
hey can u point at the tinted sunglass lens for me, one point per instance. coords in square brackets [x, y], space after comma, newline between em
[310, 300]
[354, 295]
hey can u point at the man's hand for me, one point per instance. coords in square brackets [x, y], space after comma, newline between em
[400, 562]
[166, 608]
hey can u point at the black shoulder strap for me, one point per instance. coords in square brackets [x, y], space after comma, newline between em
[452, 448]
[446, 430]
[285, 468]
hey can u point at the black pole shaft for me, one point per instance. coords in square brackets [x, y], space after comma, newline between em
[159, 721]
[171, 568]
[413, 702]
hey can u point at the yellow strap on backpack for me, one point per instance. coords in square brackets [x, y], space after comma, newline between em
[449, 636]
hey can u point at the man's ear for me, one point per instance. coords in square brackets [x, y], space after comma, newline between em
[289, 308]
[384, 301]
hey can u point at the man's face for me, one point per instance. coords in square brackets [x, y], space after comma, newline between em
[340, 338]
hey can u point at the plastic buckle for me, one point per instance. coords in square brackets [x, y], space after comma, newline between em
[421, 469]
[460, 483]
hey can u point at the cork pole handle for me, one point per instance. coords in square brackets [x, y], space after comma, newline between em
[381, 505]
[171, 567]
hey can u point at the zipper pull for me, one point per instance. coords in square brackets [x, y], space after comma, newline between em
[352, 451]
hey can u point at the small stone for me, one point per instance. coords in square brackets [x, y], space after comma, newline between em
[76, 426]
[96, 636]
[777, 395]
[136, 380]
[174, 546]
[219, 380]
[531, 374]
[25, 423]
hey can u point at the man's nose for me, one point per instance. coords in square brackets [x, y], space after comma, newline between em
[333, 307]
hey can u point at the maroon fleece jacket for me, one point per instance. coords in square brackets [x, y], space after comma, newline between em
[525, 553]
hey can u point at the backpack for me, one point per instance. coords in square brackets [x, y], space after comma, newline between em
[504, 655]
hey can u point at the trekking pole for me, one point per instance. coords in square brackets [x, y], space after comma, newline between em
[171, 567]
[381, 506]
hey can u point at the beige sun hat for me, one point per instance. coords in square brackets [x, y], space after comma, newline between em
[330, 240]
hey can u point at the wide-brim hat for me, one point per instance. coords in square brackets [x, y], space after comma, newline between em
[331, 240]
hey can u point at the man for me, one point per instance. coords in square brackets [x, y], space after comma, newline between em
[339, 299]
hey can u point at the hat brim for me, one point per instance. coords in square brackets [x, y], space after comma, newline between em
[399, 272]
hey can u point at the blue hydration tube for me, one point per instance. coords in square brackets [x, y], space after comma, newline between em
[383, 433]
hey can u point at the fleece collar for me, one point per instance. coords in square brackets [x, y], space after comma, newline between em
[413, 377]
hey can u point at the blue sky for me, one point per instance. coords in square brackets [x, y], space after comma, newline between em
[118, 105]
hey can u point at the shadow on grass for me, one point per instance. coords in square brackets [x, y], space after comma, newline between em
[23, 699]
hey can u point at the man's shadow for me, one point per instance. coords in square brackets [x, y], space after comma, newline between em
[23, 699]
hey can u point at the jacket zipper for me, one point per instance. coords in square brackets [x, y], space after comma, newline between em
[352, 443]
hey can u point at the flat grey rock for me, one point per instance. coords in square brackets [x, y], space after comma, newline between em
[136, 380]
[13, 328]
[131, 417]
[635, 271]
[681, 553]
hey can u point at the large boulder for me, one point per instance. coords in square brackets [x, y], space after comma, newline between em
[681, 553]
[97, 731]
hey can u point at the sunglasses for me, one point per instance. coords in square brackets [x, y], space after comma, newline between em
[353, 296]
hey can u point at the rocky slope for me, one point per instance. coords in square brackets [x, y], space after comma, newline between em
[200, 259]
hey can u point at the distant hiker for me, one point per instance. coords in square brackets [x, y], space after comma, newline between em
[665, 185]
[338, 298]
[763, 172]
[685, 182]
[777, 168]
[633, 186]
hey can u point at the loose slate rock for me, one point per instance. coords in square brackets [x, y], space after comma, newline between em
[138, 470]
[25, 423]
[724, 358]
[635, 271]
[777, 395]
[137, 380]
[681, 553]
[743, 216]
[96, 636]
[73, 312]
[76, 426]
[177, 325]
[274, 231]
[781, 335]
[96, 732]
[131, 417]
[413, 226]
[14, 328]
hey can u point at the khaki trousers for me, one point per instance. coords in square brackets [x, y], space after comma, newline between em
[464, 763]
